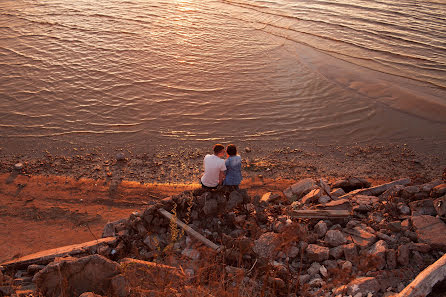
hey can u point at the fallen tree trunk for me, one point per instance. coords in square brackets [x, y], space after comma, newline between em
[191, 231]
[377, 190]
[319, 214]
[422, 285]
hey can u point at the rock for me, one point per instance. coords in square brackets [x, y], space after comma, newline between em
[109, 230]
[33, 269]
[18, 166]
[440, 206]
[361, 236]
[293, 252]
[378, 253]
[248, 149]
[303, 279]
[120, 156]
[403, 209]
[438, 191]
[312, 196]
[337, 192]
[423, 207]
[323, 271]
[317, 253]
[191, 254]
[351, 183]
[235, 200]
[403, 254]
[394, 226]
[347, 266]
[350, 252]
[142, 276]
[336, 252]
[429, 186]
[364, 285]
[324, 199]
[317, 282]
[120, 286]
[314, 268]
[300, 188]
[89, 294]
[270, 197]
[267, 245]
[277, 282]
[340, 204]
[320, 229]
[391, 259]
[430, 230]
[73, 277]
[153, 242]
[420, 247]
[334, 238]
[210, 207]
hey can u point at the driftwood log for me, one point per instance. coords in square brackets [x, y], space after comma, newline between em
[422, 285]
[190, 231]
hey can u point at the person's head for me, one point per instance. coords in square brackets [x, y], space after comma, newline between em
[231, 150]
[219, 150]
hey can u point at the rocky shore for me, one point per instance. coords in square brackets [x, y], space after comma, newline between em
[315, 238]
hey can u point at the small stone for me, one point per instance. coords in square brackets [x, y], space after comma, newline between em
[438, 191]
[320, 229]
[191, 254]
[18, 166]
[323, 271]
[378, 253]
[403, 254]
[248, 149]
[317, 253]
[337, 192]
[363, 285]
[347, 266]
[210, 207]
[336, 252]
[350, 252]
[317, 282]
[109, 230]
[403, 209]
[303, 279]
[391, 259]
[120, 156]
[324, 199]
[314, 268]
[334, 238]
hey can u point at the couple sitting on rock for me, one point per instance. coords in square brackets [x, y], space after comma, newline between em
[218, 171]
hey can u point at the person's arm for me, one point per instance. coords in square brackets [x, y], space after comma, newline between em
[221, 177]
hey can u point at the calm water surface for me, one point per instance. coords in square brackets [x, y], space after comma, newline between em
[162, 71]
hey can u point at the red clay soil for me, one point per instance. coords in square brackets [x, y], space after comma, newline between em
[44, 212]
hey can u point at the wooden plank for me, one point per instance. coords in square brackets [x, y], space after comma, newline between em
[191, 231]
[424, 282]
[319, 214]
[47, 256]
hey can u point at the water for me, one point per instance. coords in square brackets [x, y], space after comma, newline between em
[169, 71]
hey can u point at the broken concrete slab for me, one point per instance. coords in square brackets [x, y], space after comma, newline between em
[377, 190]
[73, 277]
[430, 230]
[45, 257]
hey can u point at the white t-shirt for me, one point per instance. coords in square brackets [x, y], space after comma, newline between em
[212, 167]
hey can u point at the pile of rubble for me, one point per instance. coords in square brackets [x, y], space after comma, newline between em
[314, 239]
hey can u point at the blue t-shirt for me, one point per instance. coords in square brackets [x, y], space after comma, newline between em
[233, 171]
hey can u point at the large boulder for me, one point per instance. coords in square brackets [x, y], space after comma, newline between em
[267, 245]
[72, 277]
[430, 230]
[299, 189]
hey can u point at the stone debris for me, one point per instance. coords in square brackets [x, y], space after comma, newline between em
[387, 230]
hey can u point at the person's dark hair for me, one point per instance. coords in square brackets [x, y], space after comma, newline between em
[231, 150]
[218, 148]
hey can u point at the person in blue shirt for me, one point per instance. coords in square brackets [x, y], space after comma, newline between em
[233, 164]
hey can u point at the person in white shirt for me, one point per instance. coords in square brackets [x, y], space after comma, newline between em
[214, 168]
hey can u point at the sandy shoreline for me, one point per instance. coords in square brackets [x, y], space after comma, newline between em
[167, 165]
